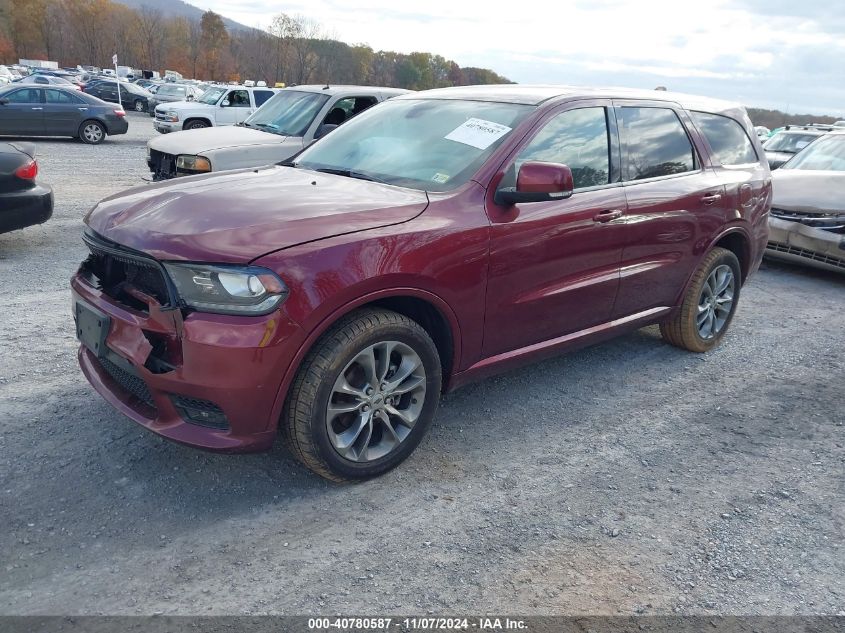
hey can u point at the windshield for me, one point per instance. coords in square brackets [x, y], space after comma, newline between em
[826, 154]
[288, 113]
[212, 96]
[431, 144]
[789, 142]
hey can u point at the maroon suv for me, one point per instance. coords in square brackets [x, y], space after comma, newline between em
[435, 239]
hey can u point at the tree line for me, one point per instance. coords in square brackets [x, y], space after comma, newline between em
[294, 49]
[775, 118]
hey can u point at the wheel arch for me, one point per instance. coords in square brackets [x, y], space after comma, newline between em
[735, 239]
[197, 118]
[739, 243]
[426, 308]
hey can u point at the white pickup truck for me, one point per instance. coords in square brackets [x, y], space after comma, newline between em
[222, 105]
[290, 121]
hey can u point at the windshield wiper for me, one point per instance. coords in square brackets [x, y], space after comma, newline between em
[351, 174]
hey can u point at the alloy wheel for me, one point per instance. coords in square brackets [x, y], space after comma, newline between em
[715, 302]
[375, 401]
[93, 133]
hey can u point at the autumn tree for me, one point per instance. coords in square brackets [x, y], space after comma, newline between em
[152, 35]
[213, 39]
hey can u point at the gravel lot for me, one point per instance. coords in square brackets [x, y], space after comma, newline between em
[627, 478]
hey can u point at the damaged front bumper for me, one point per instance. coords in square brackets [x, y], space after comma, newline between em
[207, 380]
[813, 239]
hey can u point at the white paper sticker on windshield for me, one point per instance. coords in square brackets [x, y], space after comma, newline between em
[478, 133]
[440, 178]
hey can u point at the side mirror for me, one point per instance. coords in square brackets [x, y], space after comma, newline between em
[324, 129]
[4, 101]
[190, 97]
[537, 182]
[225, 103]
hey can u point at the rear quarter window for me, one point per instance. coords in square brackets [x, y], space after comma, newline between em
[261, 97]
[654, 143]
[727, 139]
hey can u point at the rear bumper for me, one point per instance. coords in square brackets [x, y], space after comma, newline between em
[235, 364]
[20, 209]
[118, 125]
[797, 242]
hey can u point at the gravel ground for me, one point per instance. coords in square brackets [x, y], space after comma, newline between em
[627, 478]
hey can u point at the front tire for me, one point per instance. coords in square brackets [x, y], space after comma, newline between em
[196, 125]
[364, 396]
[92, 132]
[709, 304]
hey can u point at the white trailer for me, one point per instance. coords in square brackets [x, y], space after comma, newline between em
[39, 63]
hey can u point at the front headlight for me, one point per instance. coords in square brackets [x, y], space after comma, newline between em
[224, 289]
[171, 116]
[187, 162]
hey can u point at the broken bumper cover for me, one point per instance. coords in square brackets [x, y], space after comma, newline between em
[798, 242]
[218, 387]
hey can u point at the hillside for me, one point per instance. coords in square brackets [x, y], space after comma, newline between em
[775, 118]
[177, 8]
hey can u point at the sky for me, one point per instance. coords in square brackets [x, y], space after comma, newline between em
[781, 54]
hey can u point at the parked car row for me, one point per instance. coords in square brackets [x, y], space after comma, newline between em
[790, 140]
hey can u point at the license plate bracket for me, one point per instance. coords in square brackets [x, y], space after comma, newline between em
[92, 328]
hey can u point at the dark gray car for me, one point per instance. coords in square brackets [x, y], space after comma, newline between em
[22, 201]
[168, 93]
[52, 111]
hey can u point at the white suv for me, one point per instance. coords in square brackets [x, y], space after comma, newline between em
[223, 105]
[293, 119]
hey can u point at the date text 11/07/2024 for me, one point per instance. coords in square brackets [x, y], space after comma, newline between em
[417, 624]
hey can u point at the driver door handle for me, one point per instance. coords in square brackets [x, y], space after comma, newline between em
[38, 108]
[711, 198]
[607, 215]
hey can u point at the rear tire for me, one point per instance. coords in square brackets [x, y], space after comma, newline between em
[196, 125]
[709, 304]
[352, 412]
[92, 132]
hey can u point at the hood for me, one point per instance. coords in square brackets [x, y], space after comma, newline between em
[179, 106]
[237, 216]
[808, 191]
[211, 138]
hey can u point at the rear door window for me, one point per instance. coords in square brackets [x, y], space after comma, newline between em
[727, 138]
[654, 143]
[27, 95]
[261, 97]
[60, 96]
